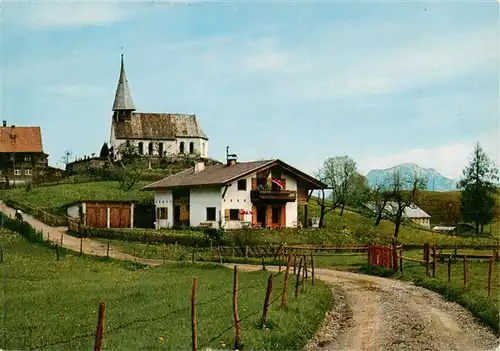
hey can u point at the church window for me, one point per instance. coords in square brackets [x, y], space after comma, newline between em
[141, 148]
[191, 148]
[160, 149]
[181, 147]
[203, 148]
[150, 148]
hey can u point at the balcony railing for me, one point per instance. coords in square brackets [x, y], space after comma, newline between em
[283, 195]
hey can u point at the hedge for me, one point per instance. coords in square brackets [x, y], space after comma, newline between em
[23, 228]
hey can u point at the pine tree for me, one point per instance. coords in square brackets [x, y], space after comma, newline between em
[478, 185]
[104, 150]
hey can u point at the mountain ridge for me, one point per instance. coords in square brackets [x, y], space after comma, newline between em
[435, 180]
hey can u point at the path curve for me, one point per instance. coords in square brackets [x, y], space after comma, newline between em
[375, 313]
[89, 246]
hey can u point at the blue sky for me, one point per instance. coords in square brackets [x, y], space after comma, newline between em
[382, 82]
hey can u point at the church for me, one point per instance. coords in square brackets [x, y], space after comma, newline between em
[153, 134]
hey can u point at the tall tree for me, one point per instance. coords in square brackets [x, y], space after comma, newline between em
[478, 185]
[341, 175]
[104, 150]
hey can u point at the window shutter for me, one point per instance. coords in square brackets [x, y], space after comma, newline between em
[166, 213]
[284, 183]
[226, 214]
[254, 183]
[158, 213]
[242, 216]
[254, 215]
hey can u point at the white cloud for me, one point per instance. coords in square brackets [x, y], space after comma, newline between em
[448, 159]
[69, 14]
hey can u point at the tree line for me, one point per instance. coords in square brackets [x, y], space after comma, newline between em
[390, 198]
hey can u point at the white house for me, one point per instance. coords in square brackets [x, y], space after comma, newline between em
[164, 134]
[412, 212]
[233, 195]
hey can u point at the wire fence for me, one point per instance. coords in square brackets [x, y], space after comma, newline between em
[303, 273]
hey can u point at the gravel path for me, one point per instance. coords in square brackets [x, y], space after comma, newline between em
[374, 313]
[89, 246]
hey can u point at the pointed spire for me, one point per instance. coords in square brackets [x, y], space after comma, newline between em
[123, 98]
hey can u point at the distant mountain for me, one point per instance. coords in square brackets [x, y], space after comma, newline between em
[435, 181]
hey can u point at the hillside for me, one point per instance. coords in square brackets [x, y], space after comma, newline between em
[435, 181]
[53, 198]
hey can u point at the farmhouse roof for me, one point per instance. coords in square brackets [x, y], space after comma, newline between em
[123, 97]
[158, 126]
[99, 201]
[412, 211]
[20, 139]
[224, 174]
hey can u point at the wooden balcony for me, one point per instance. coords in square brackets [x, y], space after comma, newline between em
[269, 195]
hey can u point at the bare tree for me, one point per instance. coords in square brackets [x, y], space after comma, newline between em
[129, 169]
[402, 193]
[341, 175]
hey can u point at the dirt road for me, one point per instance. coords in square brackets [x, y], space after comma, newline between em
[91, 247]
[374, 313]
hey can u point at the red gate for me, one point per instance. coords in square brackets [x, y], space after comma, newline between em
[383, 256]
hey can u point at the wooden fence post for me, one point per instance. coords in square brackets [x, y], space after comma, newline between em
[100, 326]
[490, 269]
[449, 269]
[193, 316]
[57, 252]
[401, 260]
[304, 273]
[466, 272]
[81, 245]
[294, 264]
[279, 264]
[285, 280]
[62, 239]
[267, 300]
[107, 250]
[237, 335]
[263, 264]
[434, 261]
[312, 269]
[298, 279]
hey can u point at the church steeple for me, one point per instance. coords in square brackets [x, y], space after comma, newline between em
[123, 98]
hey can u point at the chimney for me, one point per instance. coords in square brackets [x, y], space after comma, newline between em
[4, 123]
[231, 159]
[199, 166]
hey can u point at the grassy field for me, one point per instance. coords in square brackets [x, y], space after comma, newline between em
[53, 198]
[53, 304]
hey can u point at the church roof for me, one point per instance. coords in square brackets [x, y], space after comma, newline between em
[123, 97]
[158, 126]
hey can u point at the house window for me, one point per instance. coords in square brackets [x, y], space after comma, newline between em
[181, 147]
[234, 214]
[210, 213]
[17, 172]
[161, 213]
[160, 149]
[191, 148]
[141, 148]
[27, 172]
[242, 184]
[150, 148]
[27, 158]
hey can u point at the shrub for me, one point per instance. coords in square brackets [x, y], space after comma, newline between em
[23, 228]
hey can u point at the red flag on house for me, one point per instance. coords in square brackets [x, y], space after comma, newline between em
[277, 182]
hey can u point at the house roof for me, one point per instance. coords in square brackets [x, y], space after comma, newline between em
[412, 211]
[223, 174]
[20, 139]
[99, 201]
[123, 97]
[158, 126]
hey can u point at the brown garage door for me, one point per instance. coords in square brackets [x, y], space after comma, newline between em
[120, 217]
[96, 216]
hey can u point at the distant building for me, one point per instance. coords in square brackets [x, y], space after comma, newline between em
[153, 134]
[21, 154]
[412, 212]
